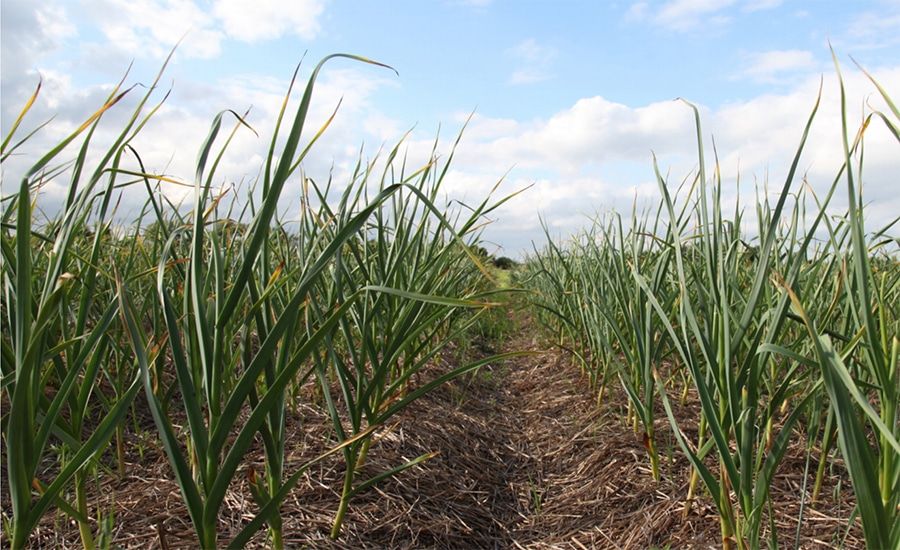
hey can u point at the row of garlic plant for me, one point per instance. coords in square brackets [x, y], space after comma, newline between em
[768, 330]
[218, 315]
[58, 308]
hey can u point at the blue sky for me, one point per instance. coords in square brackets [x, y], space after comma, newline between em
[569, 96]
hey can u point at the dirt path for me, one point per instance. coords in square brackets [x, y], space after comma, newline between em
[527, 459]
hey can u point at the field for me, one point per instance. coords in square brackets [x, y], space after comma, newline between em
[689, 374]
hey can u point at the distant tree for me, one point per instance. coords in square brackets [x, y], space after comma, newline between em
[505, 263]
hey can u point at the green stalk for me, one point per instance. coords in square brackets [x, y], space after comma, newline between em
[84, 527]
[654, 455]
[890, 462]
[120, 450]
[364, 450]
[346, 494]
[827, 444]
[695, 474]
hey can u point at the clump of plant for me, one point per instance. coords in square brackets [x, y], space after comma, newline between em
[219, 314]
[767, 329]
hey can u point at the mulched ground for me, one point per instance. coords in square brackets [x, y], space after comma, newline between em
[526, 460]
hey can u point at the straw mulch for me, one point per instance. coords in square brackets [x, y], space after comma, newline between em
[526, 460]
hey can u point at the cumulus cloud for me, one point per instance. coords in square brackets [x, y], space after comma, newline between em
[149, 28]
[32, 31]
[592, 131]
[28, 31]
[595, 155]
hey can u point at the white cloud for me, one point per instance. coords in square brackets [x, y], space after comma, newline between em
[54, 21]
[150, 28]
[533, 62]
[778, 65]
[591, 132]
[269, 19]
[595, 155]
[29, 30]
[765, 130]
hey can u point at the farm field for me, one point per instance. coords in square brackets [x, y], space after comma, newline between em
[367, 377]
[342, 357]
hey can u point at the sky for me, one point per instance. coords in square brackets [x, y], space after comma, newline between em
[568, 99]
